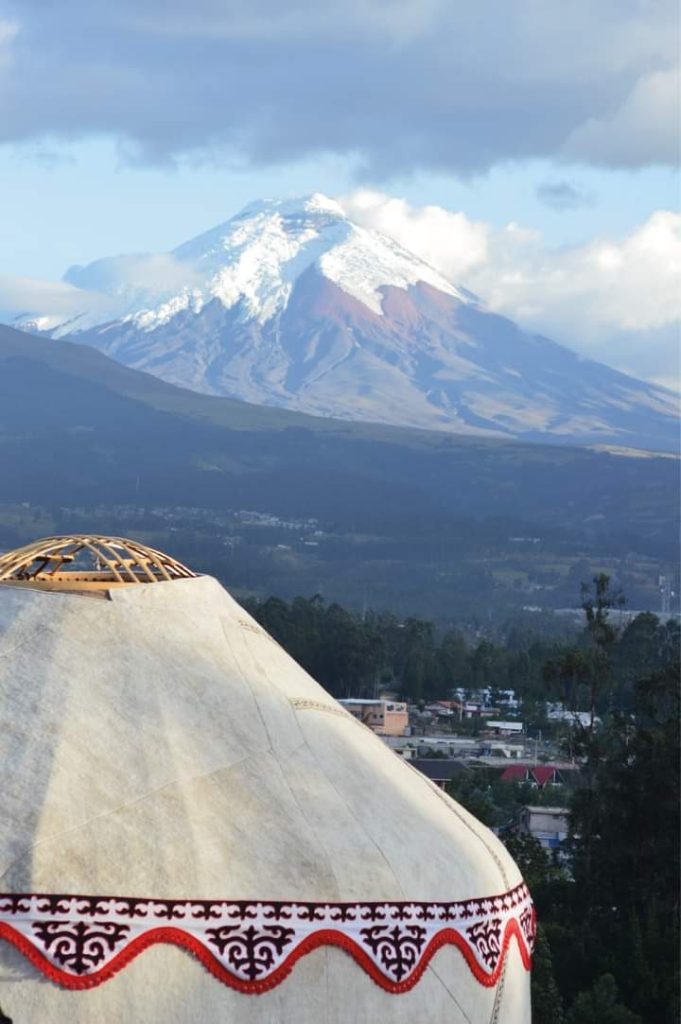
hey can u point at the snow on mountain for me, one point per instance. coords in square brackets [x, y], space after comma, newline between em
[291, 304]
[255, 258]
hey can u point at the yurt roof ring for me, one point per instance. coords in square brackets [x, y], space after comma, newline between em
[88, 562]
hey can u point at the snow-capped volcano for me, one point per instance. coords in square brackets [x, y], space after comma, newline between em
[290, 303]
[255, 260]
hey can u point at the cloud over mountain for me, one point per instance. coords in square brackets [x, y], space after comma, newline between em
[292, 303]
[611, 299]
[399, 86]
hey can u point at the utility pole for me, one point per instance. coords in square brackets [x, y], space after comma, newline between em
[665, 587]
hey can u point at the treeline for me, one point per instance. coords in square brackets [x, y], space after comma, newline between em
[359, 655]
[608, 911]
[608, 908]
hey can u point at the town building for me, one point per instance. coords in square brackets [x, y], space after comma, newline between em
[504, 728]
[538, 775]
[440, 770]
[580, 719]
[501, 748]
[385, 717]
[550, 825]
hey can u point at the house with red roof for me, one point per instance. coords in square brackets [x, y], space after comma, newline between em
[539, 775]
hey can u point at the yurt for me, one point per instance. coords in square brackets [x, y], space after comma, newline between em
[194, 832]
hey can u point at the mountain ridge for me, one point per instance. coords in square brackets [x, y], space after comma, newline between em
[407, 516]
[290, 304]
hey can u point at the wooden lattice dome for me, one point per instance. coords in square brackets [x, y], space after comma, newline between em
[88, 562]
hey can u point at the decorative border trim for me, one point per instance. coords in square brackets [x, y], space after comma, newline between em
[80, 942]
[303, 704]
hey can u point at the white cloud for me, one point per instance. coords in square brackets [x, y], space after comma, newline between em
[134, 275]
[24, 295]
[446, 239]
[397, 85]
[8, 33]
[613, 299]
[106, 289]
[648, 120]
[617, 300]
[628, 284]
[261, 19]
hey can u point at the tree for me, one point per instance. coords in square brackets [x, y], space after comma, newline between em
[414, 657]
[645, 646]
[597, 604]
[472, 790]
[601, 1005]
[626, 847]
[569, 673]
[547, 1006]
[608, 942]
[585, 670]
[537, 867]
[452, 659]
[593, 665]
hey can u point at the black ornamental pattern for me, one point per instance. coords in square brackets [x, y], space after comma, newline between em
[80, 941]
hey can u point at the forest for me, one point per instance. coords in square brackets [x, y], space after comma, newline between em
[608, 904]
[360, 654]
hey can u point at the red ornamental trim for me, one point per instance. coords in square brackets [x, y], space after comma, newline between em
[80, 942]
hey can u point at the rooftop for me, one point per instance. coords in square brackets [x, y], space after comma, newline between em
[534, 809]
[87, 563]
[438, 769]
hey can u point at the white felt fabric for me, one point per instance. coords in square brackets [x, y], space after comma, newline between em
[160, 744]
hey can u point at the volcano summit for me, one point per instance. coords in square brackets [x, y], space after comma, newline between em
[291, 304]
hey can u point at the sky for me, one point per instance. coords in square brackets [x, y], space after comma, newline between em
[529, 150]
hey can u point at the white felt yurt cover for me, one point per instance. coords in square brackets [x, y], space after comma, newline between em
[192, 829]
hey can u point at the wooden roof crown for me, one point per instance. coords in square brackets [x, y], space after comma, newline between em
[88, 562]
